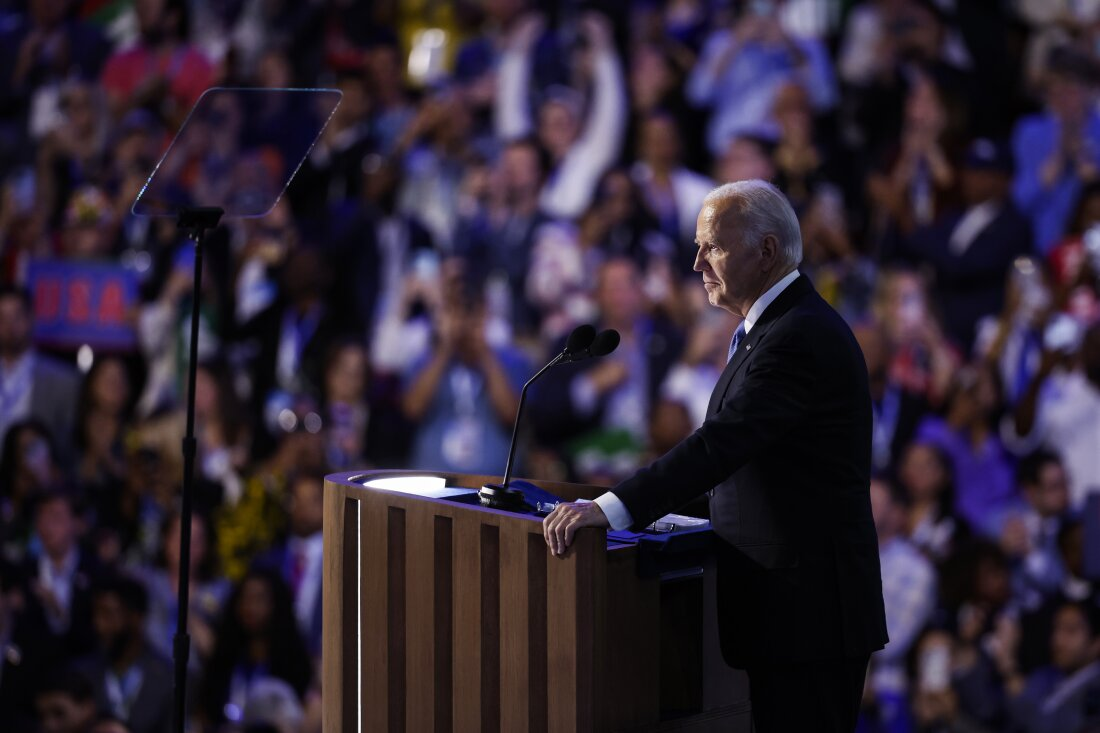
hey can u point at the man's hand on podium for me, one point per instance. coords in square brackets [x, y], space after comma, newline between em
[561, 524]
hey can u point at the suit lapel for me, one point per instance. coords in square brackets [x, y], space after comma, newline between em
[786, 300]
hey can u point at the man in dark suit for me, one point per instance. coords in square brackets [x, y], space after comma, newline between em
[970, 250]
[33, 385]
[785, 452]
[133, 682]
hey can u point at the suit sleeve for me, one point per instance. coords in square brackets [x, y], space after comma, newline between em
[774, 397]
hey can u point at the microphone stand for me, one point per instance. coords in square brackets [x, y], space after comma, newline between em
[196, 221]
[499, 496]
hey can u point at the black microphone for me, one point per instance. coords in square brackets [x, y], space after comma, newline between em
[602, 344]
[580, 338]
[499, 496]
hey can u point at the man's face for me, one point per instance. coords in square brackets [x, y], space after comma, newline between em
[15, 326]
[1050, 495]
[109, 618]
[520, 168]
[732, 272]
[306, 502]
[619, 292]
[660, 142]
[56, 527]
[557, 128]
[1071, 641]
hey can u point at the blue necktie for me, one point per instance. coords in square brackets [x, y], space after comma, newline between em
[738, 335]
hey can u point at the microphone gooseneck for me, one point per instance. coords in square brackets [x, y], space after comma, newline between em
[580, 340]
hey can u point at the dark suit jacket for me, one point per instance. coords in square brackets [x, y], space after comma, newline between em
[151, 710]
[54, 395]
[972, 284]
[786, 449]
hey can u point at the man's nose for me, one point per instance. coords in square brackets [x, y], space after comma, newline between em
[700, 263]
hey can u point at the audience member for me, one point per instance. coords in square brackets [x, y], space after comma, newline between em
[33, 384]
[257, 639]
[133, 681]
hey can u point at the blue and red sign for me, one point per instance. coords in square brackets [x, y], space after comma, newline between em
[77, 303]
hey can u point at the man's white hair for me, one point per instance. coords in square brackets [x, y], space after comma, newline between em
[761, 209]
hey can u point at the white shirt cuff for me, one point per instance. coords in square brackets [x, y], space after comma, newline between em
[616, 512]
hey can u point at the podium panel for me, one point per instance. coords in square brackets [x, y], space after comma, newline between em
[442, 615]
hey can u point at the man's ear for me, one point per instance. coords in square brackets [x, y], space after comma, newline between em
[769, 252]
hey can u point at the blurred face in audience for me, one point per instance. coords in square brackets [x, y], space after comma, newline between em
[56, 527]
[1050, 494]
[346, 377]
[110, 387]
[992, 581]
[520, 170]
[114, 624]
[1067, 98]
[306, 505]
[273, 70]
[744, 159]
[791, 110]
[1090, 211]
[254, 608]
[922, 472]
[650, 77]
[154, 20]
[669, 423]
[660, 142]
[558, 128]
[616, 197]
[15, 327]
[172, 542]
[902, 305]
[1072, 643]
[61, 713]
[619, 293]
[979, 185]
[206, 393]
[79, 106]
[873, 345]
[924, 111]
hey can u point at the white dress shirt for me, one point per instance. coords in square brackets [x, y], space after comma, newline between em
[613, 508]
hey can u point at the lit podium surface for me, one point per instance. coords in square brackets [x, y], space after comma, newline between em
[441, 614]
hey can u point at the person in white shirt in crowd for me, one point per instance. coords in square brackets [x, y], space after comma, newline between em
[1061, 411]
[741, 68]
[581, 146]
[673, 192]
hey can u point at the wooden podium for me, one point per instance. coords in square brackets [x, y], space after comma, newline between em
[447, 616]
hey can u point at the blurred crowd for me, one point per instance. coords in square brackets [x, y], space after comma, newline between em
[496, 173]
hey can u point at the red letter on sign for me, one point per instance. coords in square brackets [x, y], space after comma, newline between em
[112, 307]
[80, 296]
[47, 300]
